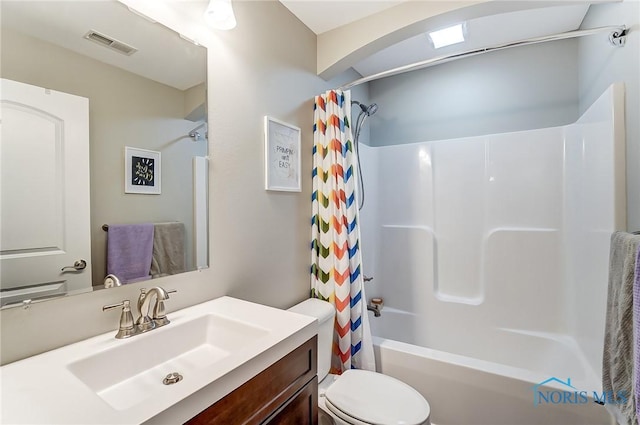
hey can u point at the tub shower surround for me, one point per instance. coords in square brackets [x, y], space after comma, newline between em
[491, 254]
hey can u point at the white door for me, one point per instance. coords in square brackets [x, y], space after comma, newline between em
[44, 192]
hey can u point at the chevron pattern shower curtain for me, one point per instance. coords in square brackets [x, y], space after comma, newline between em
[336, 274]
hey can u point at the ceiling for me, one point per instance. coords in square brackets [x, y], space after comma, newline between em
[315, 13]
[162, 55]
[481, 32]
[65, 23]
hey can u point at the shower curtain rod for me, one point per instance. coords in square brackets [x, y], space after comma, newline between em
[617, 37]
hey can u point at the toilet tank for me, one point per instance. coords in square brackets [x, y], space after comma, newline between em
[325, 313]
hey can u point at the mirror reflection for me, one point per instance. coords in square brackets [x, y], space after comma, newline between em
[104, 167]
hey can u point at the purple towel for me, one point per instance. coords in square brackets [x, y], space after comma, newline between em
[636, 333]
[129, 250]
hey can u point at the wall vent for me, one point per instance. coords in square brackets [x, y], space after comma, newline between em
[110, 42]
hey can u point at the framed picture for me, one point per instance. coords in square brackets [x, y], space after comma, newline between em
[282, 156]
[141, 171]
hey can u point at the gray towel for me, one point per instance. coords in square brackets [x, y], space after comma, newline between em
[636, 334]
[617, 359]
[168, 249]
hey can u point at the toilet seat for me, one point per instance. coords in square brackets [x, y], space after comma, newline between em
[339, 413]
[361, 397]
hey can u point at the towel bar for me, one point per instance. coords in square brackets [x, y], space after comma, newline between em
[105, 227]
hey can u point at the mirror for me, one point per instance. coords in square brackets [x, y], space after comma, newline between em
[146, 90]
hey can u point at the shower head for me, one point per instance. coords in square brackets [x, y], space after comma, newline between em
[369, 110]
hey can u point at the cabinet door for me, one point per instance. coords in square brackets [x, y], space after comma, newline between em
[257, 399]
[301, 409]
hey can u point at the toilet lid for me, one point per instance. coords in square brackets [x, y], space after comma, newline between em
[378, 399]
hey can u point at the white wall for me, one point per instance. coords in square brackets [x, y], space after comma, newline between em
[259, 240]
[600, 65]
[516, 89]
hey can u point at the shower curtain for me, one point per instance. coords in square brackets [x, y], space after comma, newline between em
[336, 261]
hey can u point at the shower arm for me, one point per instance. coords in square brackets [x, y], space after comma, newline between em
[195, 135]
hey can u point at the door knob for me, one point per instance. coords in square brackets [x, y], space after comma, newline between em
[78, 265]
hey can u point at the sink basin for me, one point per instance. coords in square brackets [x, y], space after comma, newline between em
[215, 346]
[126, 375]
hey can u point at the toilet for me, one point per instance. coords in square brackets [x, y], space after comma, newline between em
[359, 397]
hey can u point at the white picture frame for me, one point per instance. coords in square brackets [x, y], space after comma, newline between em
[282, 156]
[142, 171]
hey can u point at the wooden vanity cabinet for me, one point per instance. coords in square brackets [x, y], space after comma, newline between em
[286, 393]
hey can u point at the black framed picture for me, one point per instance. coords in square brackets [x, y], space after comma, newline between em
[142, 171]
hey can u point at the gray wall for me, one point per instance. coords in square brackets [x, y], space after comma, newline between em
[602, 65]
[361, 94]
[516, 89]
[259, 240]
[124, 110]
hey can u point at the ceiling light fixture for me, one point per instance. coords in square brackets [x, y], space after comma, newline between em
[219, 14]
[447, 36]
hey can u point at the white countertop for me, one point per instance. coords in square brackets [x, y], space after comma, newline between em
[43, 390]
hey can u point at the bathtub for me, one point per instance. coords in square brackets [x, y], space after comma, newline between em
[476, 386]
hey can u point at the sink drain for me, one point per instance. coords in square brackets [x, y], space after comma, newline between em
[172, 378]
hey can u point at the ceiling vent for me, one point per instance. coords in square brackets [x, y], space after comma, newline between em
[111, 43]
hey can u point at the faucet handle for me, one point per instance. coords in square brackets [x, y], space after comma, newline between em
[163, 293]
[125, 304]
[125, 328]
[143, 293]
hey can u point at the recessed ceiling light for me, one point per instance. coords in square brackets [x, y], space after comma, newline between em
[447, 36]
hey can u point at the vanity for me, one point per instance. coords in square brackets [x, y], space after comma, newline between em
[225, 361]
[284, 393]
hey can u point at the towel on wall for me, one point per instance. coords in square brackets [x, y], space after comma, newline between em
[168, 249]
[129, 249]
[618, 353]
[636, 331]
